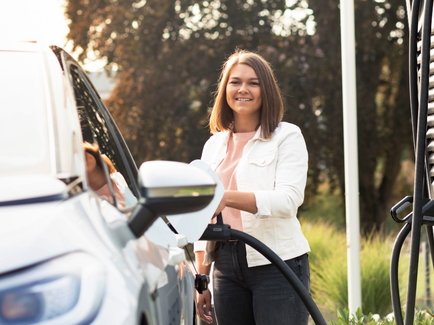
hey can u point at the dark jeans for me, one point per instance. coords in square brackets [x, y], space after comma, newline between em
[258, 295]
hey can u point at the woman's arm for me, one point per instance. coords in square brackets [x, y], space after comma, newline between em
[282, 194]
[203, 300]
[245, 201]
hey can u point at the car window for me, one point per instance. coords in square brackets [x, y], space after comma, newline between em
[103, 143]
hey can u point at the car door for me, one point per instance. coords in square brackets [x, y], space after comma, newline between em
[100, 131]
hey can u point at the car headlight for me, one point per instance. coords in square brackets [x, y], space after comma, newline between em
[67, 289]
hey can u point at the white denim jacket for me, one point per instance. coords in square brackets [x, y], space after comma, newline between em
[275, 170]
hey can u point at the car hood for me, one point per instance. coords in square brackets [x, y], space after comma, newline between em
[33, 233]
[30, 189]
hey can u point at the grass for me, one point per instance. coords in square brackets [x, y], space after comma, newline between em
[329, 272]
[420, 318]
[324, 207]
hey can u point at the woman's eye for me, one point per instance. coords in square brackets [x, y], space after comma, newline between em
[254, 83]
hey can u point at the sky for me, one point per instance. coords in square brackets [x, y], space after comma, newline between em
[40, 20]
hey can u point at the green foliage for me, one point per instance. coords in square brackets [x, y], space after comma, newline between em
[329, 275]
[328, 266]
[324, 206]
[375, 265]
[324, 240]
[344, 318]
[329, 270]
[423, 317]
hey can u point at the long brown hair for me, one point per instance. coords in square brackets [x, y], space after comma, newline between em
[272, 107]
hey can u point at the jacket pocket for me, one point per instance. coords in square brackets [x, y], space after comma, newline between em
[263, 158]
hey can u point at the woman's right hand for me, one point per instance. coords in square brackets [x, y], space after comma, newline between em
[203, 306]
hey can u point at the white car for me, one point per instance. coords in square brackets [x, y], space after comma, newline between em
[72, 253]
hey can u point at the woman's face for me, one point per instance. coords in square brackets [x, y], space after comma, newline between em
[243, 92]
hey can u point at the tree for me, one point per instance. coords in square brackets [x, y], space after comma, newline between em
[384, 129]
[168, 55]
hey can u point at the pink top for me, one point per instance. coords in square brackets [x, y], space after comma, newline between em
[104, 192]
[227, 173]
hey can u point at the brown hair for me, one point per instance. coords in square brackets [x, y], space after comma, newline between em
[93, 149]
[272, 108]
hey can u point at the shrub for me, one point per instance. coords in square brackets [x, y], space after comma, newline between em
[329, 270]
[324, 240]
[375, 265]
[421, 317]
[328, 265]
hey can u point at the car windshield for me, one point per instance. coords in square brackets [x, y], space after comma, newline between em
[23, 114]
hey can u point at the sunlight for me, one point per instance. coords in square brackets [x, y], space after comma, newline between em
[32, 20]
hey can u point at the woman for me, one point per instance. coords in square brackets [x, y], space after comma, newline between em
[262, 163]
[99, 170]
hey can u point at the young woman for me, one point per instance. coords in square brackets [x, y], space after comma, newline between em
[100, 171]
[262, 163]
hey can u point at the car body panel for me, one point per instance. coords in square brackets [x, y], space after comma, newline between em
[50, 217]
[30, 187]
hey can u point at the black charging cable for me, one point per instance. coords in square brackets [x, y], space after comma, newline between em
[222, 232]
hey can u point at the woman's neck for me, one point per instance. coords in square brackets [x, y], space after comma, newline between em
[245, 126]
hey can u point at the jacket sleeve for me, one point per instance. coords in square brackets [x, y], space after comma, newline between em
[290, 179]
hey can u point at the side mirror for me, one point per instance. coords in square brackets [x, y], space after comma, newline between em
[169, 187]
[193, 224]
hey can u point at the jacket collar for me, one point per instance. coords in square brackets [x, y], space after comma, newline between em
[257, 135]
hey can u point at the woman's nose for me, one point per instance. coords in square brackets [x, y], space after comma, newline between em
[243, 88]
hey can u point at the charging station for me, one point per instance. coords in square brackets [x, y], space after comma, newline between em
[421, 87]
